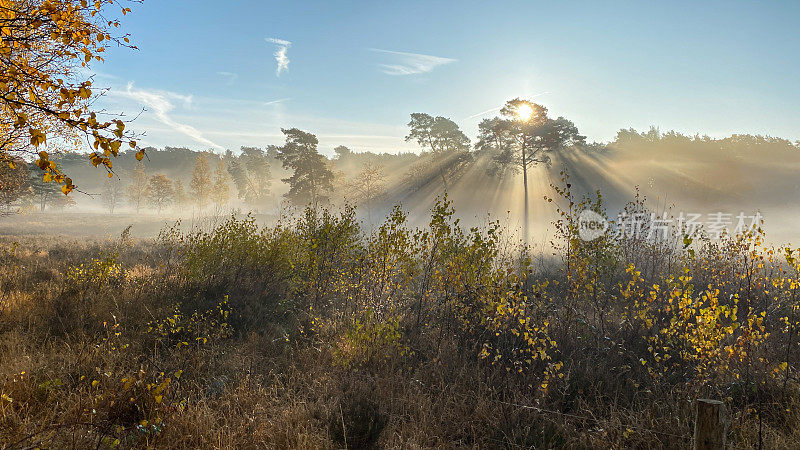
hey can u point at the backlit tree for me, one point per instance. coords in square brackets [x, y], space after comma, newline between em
[449, 146]
[251, 175]
[181, 199]
[136, 191]
[14, 184]
[368, 186]
[159, 192]
[525, 136]
[312, 179]
[112, 194]
[201, 182]
[220, 192]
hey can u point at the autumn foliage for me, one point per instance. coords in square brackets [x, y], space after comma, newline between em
[45, 99]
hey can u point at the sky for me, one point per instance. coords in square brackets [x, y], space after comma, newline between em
[220, 75]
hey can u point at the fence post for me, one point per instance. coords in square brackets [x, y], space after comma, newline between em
[710, 425]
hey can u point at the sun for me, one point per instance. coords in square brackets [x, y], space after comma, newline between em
[524, 112]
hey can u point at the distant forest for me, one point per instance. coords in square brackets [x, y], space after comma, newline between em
[259, 179]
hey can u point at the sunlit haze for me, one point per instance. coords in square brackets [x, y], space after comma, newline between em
[384, 224]
[213, 77]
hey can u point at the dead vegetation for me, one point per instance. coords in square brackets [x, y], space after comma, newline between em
[314, 334]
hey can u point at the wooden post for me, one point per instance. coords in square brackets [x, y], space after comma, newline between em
[710, 425]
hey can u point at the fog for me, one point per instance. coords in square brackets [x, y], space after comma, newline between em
[741, 174]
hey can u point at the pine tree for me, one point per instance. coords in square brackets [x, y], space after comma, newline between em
[312, 178]
[44, 193]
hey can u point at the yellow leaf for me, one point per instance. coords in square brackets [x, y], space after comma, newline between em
[37, 137]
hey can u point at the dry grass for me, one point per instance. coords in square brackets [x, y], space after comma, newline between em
[285, 338]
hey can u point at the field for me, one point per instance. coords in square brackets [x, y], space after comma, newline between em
[99, 226]
[539, 225]
[313, 333]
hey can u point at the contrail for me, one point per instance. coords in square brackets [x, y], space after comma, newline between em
[484, 112]
[500, 107]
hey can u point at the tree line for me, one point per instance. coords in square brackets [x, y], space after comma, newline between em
[522, 135]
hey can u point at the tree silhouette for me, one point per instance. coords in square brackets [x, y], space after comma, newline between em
[112, 194]
[60, 201]
[47, 193]
[220, 192]
[311, 179]
[439, 134]
[201, 182]
[160, 192]
[14, 182]
[525, 136]
[180, 197]
[42, 192]
[493, 140]
[137, 189]
[368, 186]
[449, 146]
[342, 152]
[251, 175]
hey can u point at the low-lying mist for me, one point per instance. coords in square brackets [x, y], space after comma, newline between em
[673, 173]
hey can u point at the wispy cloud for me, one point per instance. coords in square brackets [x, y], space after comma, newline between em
[404, 63]
[276, 102]
[229, 76]
[161, 103]
[282, 47]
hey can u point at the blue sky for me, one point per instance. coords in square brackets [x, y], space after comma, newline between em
[207, 72]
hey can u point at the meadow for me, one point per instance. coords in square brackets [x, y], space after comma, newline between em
[316, 333]
[398, 225]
